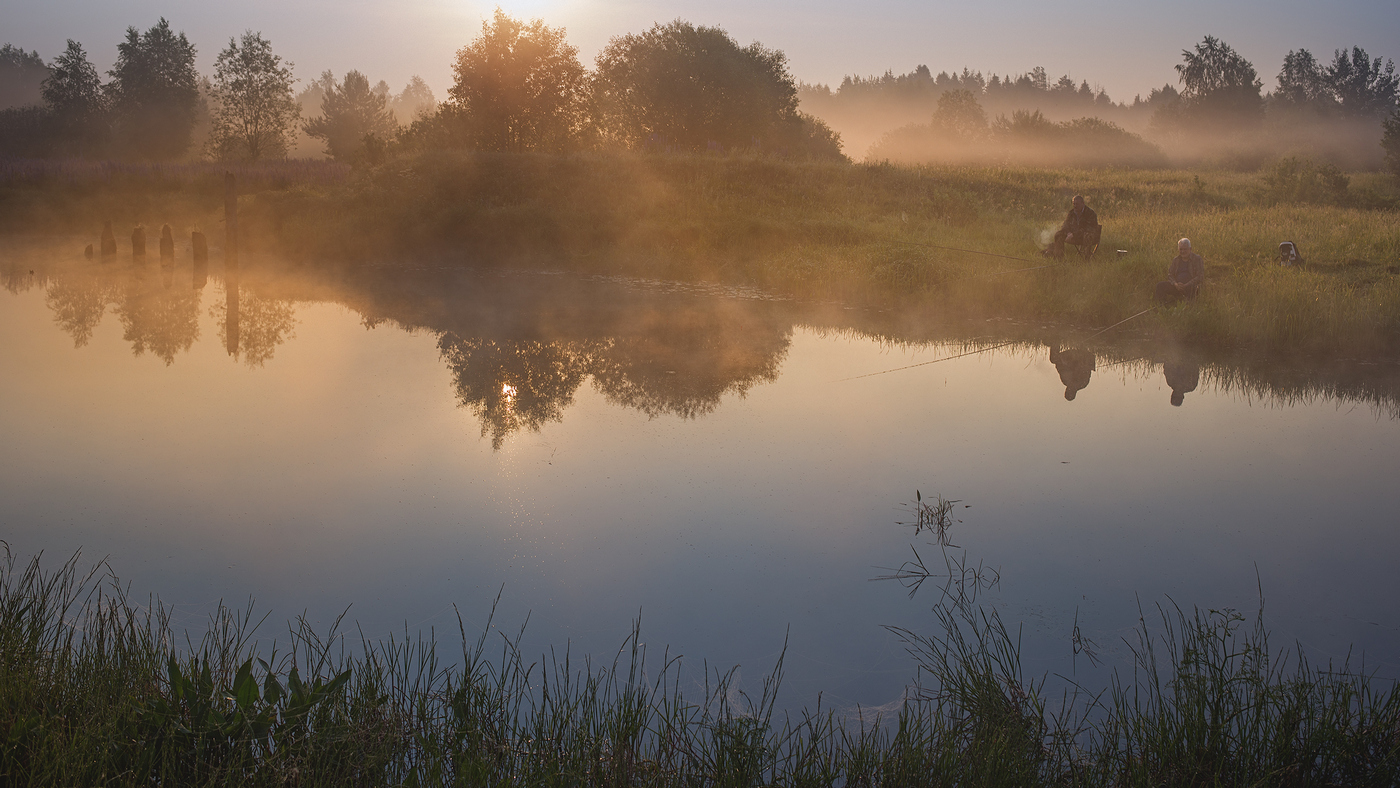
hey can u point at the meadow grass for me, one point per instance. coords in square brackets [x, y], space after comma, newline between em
[869, 234]
[98, 690]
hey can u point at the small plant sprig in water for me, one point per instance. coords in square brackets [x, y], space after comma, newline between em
[961, 582]
[935, 516]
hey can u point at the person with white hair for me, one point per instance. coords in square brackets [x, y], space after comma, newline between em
[1184, 275]
[1289, 255]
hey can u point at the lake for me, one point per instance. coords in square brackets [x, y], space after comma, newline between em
[413, 442]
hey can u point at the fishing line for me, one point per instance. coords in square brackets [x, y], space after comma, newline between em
[926, 363]
[984, 350]
[970, 251]
[988, 254]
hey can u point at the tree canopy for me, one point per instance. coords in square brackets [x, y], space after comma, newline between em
[350, 112]
[679, 85]
[21, 74]
[1219, 84]
[519, 86]
[154, 92]
[255, 113]
[1359, 84]
[73, 94]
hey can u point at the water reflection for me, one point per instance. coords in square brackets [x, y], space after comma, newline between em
[1075, 366]
[1183, 375]
[159, 319]
[520, 346]
[78, 304]
[251, 326]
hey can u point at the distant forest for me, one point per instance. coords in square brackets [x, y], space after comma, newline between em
[519, 86]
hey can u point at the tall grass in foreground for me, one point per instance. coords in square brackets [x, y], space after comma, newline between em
[95, 690]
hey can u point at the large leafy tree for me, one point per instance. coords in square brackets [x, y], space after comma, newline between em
[255, 113]
[21, 74]
[1390, 141]
[73, 94]
[685, 86]
[415, 100]
[1219, 85]
[351, 112]
[1302, 82]
[154, 92]
[519, 86]
[1361, 86]
[959, 115]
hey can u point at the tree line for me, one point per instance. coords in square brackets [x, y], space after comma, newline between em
[519, 86]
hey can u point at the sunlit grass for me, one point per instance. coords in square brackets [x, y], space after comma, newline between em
[869, 234]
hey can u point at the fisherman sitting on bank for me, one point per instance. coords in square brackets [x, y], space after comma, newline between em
[1184, 276]
[1289, 255]
[1081, 228]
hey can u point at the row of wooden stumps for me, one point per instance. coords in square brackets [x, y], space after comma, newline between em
[200, 248]
[138, 244]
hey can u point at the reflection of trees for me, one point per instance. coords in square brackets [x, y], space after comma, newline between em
[78, 303]
[514, 385]
[679, 362]
[163, 321]
[252, 326]
[17, 278]
[684, 363]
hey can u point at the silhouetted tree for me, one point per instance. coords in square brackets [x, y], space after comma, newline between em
[519, 86]
[1219, 84]
[21, 74]
[154, 92]
[254, 113]
[415, 100]
[1390, 141]
[73, 94]
[1361, 86]
[960, 115]
[687, 86]
[1302, 82]
[350, 112]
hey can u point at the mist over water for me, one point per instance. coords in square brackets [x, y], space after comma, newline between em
[712, 460]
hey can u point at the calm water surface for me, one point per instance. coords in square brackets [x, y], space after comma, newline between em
[411, 443]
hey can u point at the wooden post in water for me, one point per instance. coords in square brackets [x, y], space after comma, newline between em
[230, 221]
[109, 241]
[201, 259]
[231, 310]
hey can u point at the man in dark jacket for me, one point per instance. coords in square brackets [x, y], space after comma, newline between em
[1081, 228]
[1184, 275]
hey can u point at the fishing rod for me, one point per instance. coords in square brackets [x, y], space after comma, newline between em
[968, 251]
[988, 254]
[986, 349]
[926, 363]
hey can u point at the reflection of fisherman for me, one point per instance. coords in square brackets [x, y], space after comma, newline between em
[1074, 365]
[1183, 375]
[1289, 255]
[1081, 228]
[1184, 275]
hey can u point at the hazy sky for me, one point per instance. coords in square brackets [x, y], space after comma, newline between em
[1126, 47]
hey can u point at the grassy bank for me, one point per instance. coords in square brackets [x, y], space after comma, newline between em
[96, 690]
[858, 233]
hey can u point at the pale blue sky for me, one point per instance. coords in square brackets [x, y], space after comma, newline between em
[1126, 47]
